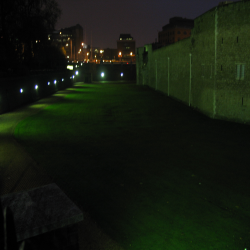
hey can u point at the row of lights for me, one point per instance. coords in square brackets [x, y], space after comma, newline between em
[102, 74]
[55, 82]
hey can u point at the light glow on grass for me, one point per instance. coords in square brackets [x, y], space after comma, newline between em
[21, 90]
[102, 74]
[36, 86]
[55, 82]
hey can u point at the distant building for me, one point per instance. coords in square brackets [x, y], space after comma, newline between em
[126, 48]
[110, 55]
[71, 41]
[95, 53]
[178, 28]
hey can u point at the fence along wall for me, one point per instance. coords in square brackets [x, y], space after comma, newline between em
[208, 70]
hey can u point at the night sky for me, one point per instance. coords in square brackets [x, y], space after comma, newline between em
[107, 19]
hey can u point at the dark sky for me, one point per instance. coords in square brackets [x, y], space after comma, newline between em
[107, 19]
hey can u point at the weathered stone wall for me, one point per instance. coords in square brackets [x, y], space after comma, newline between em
[172, 70]
[202, 48]
[201, 70]
[233, 95]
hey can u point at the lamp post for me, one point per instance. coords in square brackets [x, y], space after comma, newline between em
[101, 52]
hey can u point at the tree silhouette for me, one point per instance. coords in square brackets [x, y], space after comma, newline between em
[23, 24]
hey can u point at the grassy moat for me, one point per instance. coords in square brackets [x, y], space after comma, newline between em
[151, 172]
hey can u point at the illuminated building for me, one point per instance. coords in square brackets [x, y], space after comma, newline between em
[70, 40]
[126, 48]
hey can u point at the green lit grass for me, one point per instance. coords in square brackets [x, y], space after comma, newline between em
[151, 172]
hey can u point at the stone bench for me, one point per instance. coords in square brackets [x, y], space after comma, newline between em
[44, 215]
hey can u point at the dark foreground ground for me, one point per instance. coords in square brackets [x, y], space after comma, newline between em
[148, 172]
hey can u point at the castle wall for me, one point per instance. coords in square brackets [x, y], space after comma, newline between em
[209, 70]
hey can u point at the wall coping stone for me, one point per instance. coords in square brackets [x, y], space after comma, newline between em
[40, 210]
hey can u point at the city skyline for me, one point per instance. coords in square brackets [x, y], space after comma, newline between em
[105, 21]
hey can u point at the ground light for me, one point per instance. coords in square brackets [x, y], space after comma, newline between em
[62, 79]
[102, 74]
[76, 72]
[48, 83]
[70, 67]
[21, 90]
[121, 74]
[36, 86]
[55, 82]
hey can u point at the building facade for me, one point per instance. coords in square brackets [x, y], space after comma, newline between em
[126, 48]
[110, 55]
[178, 28]
[71, 40]
[208, 71]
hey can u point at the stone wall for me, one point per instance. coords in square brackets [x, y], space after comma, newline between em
[232, 50]
[201, 71]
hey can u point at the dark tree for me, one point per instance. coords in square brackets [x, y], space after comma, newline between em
[23, 24]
